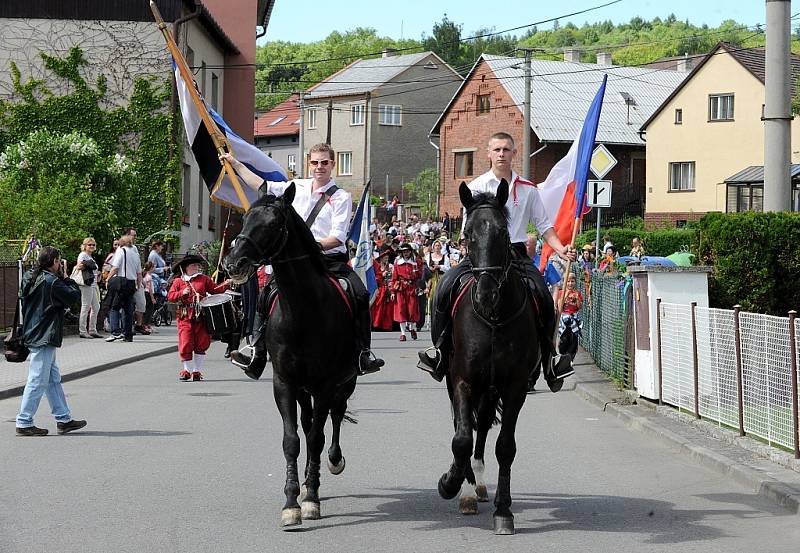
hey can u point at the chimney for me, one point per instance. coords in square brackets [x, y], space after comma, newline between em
[684, 64]
[604, 58]
[389, 52]
[572, 54]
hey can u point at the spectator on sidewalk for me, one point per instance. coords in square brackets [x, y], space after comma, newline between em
[156, 257]
[90, 300]
[124, 279]
[139, 302]
[148, 275]
[45, 293]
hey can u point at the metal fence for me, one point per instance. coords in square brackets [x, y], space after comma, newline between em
[736, 369]
[607, 324]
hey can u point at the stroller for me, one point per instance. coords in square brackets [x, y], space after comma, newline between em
[161, 309]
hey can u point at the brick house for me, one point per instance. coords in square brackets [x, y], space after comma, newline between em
[491, 100]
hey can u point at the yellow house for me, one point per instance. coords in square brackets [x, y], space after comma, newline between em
[705, 144]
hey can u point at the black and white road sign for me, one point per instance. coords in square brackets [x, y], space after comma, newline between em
[598, 193]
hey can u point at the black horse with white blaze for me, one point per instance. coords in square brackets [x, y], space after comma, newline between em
[495, 346]
[311, 342]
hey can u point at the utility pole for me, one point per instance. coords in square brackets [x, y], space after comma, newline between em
[526, 115]
[330, 122]
[301, 163]
[777, 108]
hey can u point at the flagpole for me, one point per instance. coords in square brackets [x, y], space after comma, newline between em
[219, 140]
[567, 270]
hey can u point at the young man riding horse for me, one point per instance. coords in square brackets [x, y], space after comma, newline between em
[327, 209]
[524, 207]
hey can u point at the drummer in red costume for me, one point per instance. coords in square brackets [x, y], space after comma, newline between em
[188, 289]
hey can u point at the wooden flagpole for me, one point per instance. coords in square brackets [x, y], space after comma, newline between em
[217, 137]
[566, 272]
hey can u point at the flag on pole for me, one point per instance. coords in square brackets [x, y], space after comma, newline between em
[359, 234]
[222, 189]
[563, 192]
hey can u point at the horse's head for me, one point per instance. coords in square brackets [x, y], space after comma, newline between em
[264, 234]
[489, 245]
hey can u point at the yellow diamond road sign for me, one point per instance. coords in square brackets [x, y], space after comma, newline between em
[602, 161]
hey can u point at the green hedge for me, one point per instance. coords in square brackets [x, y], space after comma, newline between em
[756, 259]
[661, 242]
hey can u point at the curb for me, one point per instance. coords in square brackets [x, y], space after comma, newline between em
[74, 375]
[752, 478]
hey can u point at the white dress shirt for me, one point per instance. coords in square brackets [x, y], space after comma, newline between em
[334, 217]
[524, 205]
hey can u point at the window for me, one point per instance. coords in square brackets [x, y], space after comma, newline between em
[291, 163]
[357, 114]
[679, 117]
[749, 197]
[186, 195]
[212, 220]
[278, 120]
[345, 163]
[312, 118]
[463, 164]
[389, 114]
[681, 176]
[484, 105]
[214, 92]
[720, 107]
[202, 191]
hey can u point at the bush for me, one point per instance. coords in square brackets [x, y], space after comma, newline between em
[660, 242]
[756, 259]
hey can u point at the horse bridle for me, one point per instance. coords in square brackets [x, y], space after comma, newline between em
[478, 272]
[262, 257]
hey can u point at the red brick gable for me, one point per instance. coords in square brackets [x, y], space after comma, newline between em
[462, 127]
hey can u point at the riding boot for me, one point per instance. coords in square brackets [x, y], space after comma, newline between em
[253, 366]
[367, 361]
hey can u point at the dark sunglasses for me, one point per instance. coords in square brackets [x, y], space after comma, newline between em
[323, 162]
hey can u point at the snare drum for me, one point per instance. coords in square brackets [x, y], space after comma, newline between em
[219, 314]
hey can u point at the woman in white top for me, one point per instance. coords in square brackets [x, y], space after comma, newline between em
[90, 302]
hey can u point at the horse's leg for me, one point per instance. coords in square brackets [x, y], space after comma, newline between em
[316, 442]
[285, 398]
[506, 450]
[336, 462]
[451, 481]
[306, 415]
[486, 411]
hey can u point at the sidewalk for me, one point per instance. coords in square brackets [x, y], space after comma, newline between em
[79, 357]
[768, 471]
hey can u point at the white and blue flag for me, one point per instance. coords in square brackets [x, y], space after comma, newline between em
[359, 234]
[220, 186]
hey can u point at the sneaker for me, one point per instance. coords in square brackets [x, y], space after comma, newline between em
[65, 427]
[31, 431]
[184, 376]
[113, 337]
[141, 330]
[197, 376]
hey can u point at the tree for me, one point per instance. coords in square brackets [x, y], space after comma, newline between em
[424, 189]
[446, 41]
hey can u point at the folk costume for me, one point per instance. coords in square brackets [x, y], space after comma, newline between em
[193, 337]
[382, 309]
[405, 274]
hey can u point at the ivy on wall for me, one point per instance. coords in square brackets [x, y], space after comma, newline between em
[74, 164]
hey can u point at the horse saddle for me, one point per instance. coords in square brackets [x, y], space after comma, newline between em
[267, 298]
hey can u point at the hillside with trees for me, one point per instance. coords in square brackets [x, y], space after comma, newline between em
[287, 66]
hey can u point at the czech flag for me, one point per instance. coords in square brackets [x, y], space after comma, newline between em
[359, 234]
[563, 192]
[222, 189]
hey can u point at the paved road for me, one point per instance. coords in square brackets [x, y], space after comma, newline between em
[169, 466]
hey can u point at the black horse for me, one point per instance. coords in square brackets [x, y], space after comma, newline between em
[495, 346]
[311, 342]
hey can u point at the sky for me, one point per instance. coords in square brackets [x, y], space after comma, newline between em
[293, 20]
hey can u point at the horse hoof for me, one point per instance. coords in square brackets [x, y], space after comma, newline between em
[468, 505]
[291, 517]
[482, 493]
[443, 491]
[303, 493]
[336, 469]
[504, 526]
[310, 510]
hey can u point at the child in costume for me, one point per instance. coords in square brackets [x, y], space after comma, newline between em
[188, 288]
